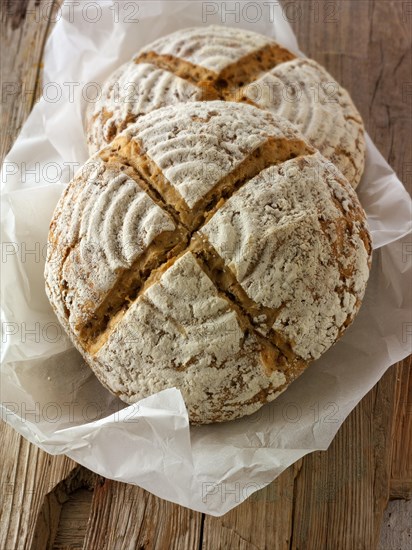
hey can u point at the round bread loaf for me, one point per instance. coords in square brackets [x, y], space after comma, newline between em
[209, 63]
[210, 248]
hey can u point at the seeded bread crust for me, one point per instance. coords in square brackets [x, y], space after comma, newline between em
[209, 63]
[211, 248]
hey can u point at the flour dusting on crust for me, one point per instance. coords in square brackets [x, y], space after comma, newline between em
[195, 344]
[102, 224]
[203, 63]
[282, 236]
[212, 47]
[149, 301]
[304, 93]
[130, 92]
[197, 144]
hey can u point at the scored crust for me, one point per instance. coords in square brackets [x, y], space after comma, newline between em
[211, 248]
[214, 62]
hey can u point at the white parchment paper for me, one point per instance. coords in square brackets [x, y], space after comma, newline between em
[54, 400]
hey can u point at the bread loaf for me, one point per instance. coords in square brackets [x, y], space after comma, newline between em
[210, 248]
[209, 63]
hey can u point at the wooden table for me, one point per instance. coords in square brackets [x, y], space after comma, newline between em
[328, 500]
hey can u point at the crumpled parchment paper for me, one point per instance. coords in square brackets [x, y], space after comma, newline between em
[54, 400]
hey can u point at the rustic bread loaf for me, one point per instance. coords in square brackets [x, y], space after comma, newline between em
[208, 63]
[210, 248]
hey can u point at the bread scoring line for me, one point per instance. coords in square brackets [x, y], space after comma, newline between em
[201, 249]
[220, 85]
[170, 63]
[136, 175]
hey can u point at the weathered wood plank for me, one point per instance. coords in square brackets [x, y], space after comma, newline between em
[333, 499]
[401, 472]
[73, 521]
[263, 521]
[329, 500]
[27, 474]
[64, 515]
[366, 46]
[342, 493]
[389, 80]
[24, 28]
[124, 517]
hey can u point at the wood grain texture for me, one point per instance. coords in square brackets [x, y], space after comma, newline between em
[265, 520]
[344, 491]
[27, 474]
[401, 466]
[328, 500]
[124, 517]
[64, 515]
[24, 28]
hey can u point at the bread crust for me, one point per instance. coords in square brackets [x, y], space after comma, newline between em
[209, 63]
[230, 306]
